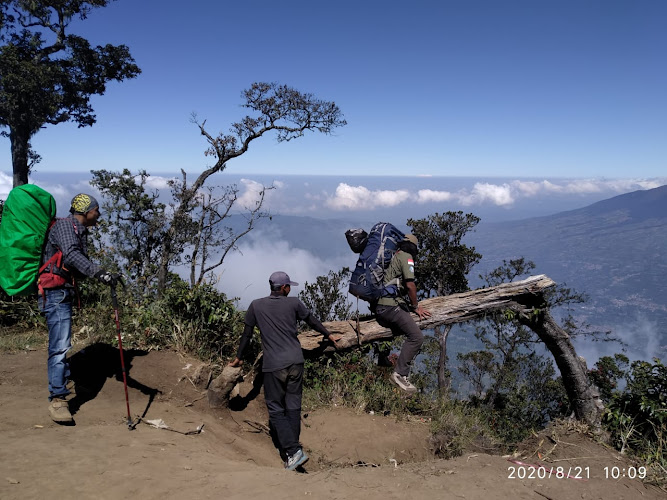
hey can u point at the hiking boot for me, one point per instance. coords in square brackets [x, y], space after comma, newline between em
[299, 458]
[59, 410]
[403, 383]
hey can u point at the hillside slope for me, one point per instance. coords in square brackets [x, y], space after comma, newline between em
[614, 250]
[353, 454]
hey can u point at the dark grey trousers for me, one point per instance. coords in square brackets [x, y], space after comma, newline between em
[282, 393]
[401, 323]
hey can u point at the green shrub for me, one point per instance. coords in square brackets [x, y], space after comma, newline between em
[20, 312]
[200, 321]
[457, 426]
[637, 416]
[353, 379]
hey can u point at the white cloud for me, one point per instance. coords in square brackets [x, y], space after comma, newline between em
[583, 186]
[252, 192]
[246, 273]
[58, 191]
[6, 183]
[626, 185]
[348, 197]
[157, 182]
[591, 186]
[361, 198]
[532, 188]
[428, 196]
[483, 192]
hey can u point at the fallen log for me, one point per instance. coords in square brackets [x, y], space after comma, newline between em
[523, 298]
[455, 308]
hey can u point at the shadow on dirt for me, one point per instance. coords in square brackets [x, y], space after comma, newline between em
[239, 403]
[91, 367]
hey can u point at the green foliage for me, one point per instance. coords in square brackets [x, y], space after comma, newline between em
[607, 372]
[477, 367]
[441, 267]
[327, 297]
[134, 226]
[529, 401]
[443, 260]
[637, 416]
[19, 312]
[508, 271]
[353, 379]
[204, 321]
[48, 76]
[200, 321]
[21, 324]
[456, 427]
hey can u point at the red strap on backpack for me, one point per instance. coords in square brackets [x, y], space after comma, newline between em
[46, 280]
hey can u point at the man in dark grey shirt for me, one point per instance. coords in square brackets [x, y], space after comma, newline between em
[277, 317]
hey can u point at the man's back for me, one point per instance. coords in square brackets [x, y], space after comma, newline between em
[277, 317]
[400, 268]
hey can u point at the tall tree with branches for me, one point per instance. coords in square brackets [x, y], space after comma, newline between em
[442, 263]
[203, 223]
[274, 108]
[48, 75]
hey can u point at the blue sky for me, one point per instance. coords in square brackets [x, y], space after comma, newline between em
[508, 88]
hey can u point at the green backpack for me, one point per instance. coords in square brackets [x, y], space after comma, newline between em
[26, 217]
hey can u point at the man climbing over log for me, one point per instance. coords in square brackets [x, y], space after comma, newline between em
[393, 311]
[277, 316]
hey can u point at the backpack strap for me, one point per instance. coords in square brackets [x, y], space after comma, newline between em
[48, 279]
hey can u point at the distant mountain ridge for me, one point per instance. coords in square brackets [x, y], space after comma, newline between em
[637, 205]
[614, 250]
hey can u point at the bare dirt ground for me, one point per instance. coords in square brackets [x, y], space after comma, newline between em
[352, 455]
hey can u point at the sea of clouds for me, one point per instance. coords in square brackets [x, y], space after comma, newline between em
[244, 275]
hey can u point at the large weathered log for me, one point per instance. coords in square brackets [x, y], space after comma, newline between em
[455, 308]
[525, 298]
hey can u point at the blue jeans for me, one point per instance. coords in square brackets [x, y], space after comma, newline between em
[58, 313]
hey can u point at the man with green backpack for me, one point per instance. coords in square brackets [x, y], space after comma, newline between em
[65, 259]
[47, 255]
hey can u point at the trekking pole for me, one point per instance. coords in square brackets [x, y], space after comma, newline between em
[114, 300]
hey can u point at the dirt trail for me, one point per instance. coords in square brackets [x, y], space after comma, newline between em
[352, 455]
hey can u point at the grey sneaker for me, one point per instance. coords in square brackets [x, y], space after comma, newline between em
[403, 383]
[299, 458]
[59, 410]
